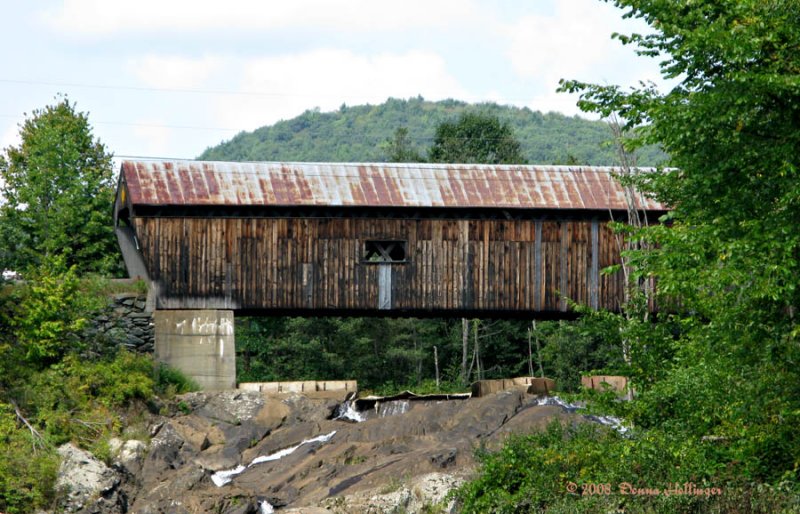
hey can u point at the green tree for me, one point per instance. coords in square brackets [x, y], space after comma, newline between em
[50, 313]
[732, 254]
[716, 374]
[476, 138]
[400, 148]
[58, 194]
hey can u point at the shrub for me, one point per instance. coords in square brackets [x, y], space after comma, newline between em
[50, 313]
[27, 473]
[171, 381]
[584, 468]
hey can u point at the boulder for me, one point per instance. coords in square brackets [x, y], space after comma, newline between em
[86, 483]
[128, 455]
[232, 407]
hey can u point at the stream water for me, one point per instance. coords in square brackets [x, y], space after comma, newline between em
[609, 421]
[347, 411]
[223, 477]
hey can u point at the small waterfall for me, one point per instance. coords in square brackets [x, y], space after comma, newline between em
[221, 478]
[555, 400]
[347, 412]
[609, 421]
[392, 408]
[265, 507]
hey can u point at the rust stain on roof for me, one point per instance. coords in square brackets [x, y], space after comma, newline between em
[194, 183]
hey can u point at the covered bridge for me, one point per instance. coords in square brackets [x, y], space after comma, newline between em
[367, 239]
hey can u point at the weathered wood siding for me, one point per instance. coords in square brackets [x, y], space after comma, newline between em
[316, 263]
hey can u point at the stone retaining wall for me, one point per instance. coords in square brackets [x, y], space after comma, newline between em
[125, 322]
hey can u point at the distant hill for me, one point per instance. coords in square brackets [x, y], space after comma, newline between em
[360, 133]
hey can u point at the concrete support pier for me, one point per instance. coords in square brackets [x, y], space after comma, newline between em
[200, 343]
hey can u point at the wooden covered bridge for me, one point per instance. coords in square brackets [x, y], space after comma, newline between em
[216, 238]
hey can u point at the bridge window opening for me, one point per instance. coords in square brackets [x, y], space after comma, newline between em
[384, 251]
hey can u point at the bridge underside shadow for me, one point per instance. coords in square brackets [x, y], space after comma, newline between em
[201, 342]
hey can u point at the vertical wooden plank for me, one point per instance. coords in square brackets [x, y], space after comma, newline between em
[520, 274]
[347, 264]
[446, 266]
[384, 286]
[484, 297]
[595, 265]
[270, 264]
[336, 277]
[324, 281]
[538, 290]
[429, 288]
[563, 287]
[461, 271]
[509, 272]
[435, 259]
[527, 265]
[491, 273]
[265, 246]
[497, 278]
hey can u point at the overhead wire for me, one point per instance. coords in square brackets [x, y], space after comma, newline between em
[349, 139]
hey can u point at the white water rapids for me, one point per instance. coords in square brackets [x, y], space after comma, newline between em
[349, 413]
[609, 421]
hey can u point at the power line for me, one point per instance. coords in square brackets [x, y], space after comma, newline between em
[350, 138]
[148, 125]
[224, 92]
[163, 89]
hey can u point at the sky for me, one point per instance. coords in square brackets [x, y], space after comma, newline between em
[169, 78]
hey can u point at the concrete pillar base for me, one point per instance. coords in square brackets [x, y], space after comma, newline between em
[200, 343]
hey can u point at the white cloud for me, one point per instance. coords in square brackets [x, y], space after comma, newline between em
[328, 78]
[9, 137]
[173, 72]
[106, 17]
[155, 138]
[574, 42]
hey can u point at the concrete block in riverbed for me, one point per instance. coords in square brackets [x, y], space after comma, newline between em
[603, 382]
[541, 385]
[486, 387]
[200, 343]
[310, 388]
[533, 385]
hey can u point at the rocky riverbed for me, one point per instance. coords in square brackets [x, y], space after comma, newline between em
[240, 452]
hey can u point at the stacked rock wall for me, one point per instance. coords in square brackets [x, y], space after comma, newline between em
[125, 322]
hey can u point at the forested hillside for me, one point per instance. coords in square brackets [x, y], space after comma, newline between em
[360, 133]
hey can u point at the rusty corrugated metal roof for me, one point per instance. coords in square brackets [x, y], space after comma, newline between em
[196, 183]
